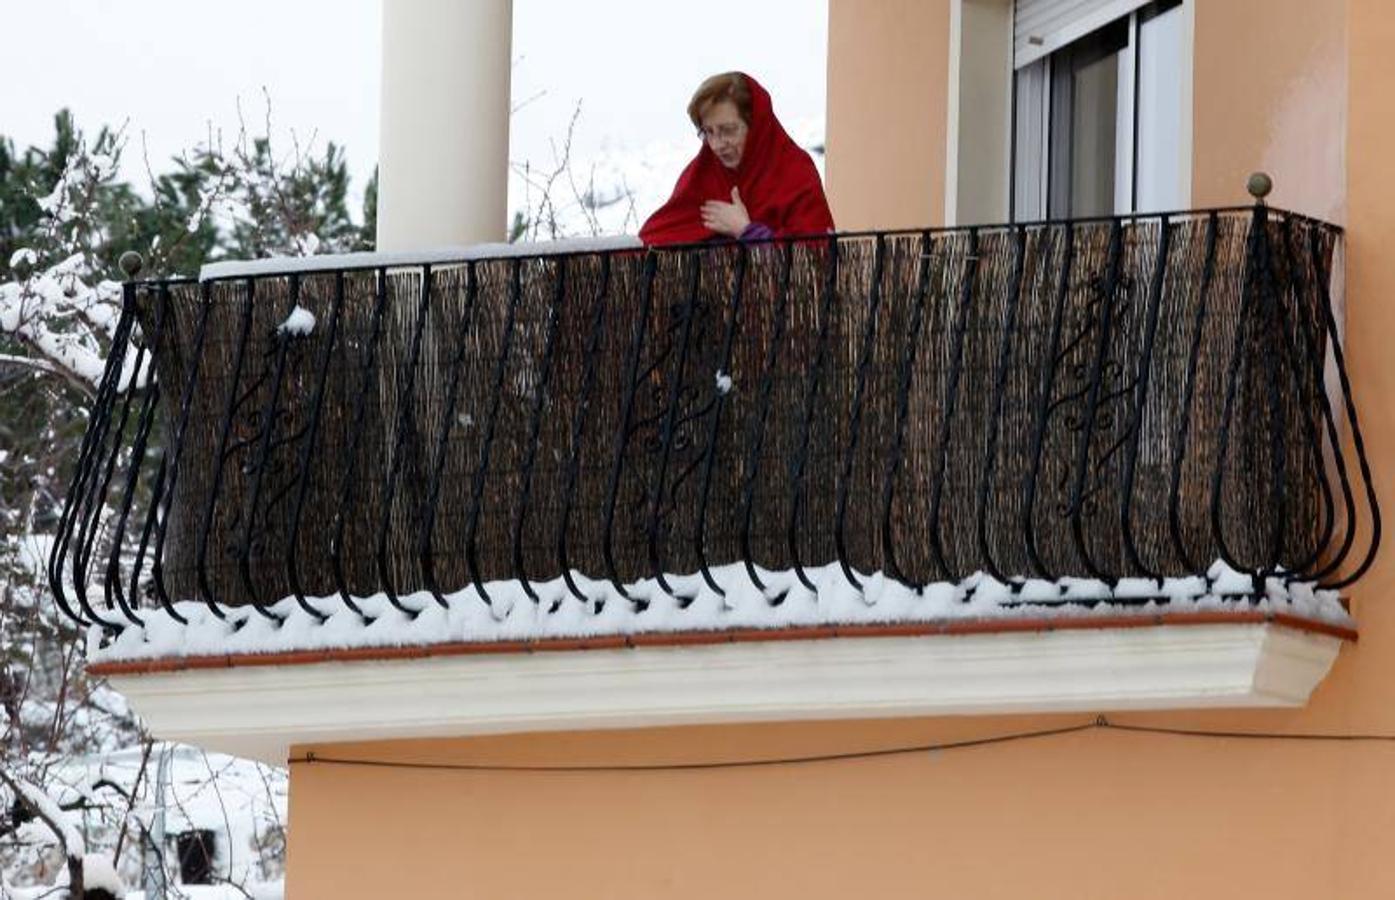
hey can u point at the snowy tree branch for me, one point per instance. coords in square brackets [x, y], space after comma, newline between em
[52, 815]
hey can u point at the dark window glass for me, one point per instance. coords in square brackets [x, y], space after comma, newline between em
[1085, 123]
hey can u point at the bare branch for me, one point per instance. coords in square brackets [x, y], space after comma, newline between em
[525, 102]
[47, 811]
[38, 363]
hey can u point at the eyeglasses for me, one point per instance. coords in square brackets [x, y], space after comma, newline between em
[729, 131]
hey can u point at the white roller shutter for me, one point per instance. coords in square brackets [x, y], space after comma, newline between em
[1041, 26]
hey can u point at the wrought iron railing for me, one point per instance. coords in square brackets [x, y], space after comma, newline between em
[1132, 396]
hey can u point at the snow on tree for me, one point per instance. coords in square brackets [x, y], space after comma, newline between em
[74, 758]
[80, 792]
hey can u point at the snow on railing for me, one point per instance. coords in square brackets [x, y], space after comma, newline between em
[1108, 399]
[510, 617]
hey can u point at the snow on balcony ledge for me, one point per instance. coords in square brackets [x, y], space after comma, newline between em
[436, 256]
[251, 687]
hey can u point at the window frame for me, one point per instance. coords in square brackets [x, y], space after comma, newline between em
[1042, 179]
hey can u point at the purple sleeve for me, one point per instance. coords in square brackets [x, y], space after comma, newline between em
[757, 232]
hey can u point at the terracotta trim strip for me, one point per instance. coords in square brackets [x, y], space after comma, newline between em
[697, 638]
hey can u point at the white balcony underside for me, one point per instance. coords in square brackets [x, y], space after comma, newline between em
[262, 711]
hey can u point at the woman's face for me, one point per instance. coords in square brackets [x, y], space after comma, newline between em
[725, 132]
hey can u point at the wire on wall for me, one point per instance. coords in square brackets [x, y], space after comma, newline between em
[1097, 724]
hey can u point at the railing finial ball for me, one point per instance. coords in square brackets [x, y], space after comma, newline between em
[131, 264]
[1259, 185]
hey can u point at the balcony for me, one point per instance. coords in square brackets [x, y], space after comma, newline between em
[1073, 465]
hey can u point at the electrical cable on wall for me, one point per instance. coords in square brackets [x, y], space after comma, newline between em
[1100, 722]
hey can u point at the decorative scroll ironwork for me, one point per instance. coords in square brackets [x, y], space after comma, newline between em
[1128, 397]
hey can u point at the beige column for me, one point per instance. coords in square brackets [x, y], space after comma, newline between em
[444, 140]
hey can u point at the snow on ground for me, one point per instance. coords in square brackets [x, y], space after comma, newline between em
[243, 803]
[98, 872]
[252, 891]
[504, 612]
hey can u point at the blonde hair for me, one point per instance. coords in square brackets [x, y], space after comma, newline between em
[726, 86]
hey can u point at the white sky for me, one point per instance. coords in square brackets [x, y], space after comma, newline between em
[169, 68]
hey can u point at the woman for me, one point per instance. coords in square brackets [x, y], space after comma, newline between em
[749, 180]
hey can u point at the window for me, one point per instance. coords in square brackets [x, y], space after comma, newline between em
[1099, 115]
[196, 855]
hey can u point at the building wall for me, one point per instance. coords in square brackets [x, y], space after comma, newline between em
[888, 70]
[1365, 679]
[1270, 93]
[1271, 77]
[1095, 814]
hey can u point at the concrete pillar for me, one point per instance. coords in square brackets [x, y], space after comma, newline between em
[444, 133]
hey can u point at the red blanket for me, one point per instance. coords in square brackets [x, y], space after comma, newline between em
[778, 182]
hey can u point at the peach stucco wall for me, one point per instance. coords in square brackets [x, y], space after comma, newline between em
[1270, 93]
[1367, 680]
[1098, 814]
[888, 68]
[1093, 815]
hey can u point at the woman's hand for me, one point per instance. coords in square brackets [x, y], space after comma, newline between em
[729, 219]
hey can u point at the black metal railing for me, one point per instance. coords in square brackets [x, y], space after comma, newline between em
[1132, 396]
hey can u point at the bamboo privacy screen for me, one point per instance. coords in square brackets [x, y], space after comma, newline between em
[1122, 397]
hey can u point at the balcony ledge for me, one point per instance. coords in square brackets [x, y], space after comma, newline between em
[440, 256]
[260, 705]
